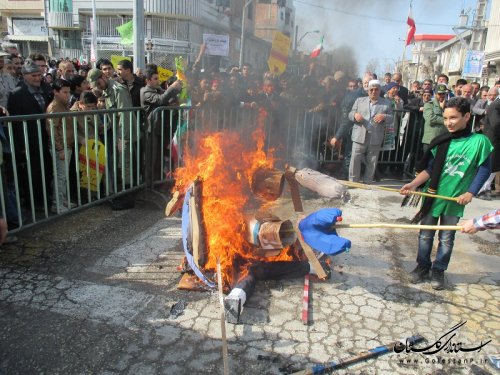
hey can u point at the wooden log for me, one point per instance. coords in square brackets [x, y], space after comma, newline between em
[268, 183]
[174, 204]
[320, 183]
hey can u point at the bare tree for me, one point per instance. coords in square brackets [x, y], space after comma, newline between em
[373, 65]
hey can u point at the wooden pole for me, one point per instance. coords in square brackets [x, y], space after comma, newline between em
[376, 187]
[311, 256]
[396, 226]
[222, 320]
[400, 226]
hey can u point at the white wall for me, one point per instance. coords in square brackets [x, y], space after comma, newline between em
[493, 36]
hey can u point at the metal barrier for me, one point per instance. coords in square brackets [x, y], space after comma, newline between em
[296, 136]
[42, 177]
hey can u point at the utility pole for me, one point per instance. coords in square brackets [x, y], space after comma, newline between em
[93, 30]
[138, 21]
[242, 40]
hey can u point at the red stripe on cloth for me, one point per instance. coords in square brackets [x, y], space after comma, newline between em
[279, 56]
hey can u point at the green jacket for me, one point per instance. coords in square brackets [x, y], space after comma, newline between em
[434, 123]
[118, 96]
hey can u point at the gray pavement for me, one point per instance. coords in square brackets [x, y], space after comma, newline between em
[92, 293]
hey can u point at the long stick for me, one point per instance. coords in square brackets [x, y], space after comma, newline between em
[394, 226]
[376, 187]
[222, 321]
[373, 353]
[400, 226]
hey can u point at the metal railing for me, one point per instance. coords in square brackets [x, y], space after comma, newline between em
[56, 163]
[295, 136]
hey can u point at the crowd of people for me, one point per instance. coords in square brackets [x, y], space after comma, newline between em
[362, 108]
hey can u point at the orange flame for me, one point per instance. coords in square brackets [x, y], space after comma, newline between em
[226, 165]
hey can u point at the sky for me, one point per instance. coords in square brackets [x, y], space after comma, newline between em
[375, 29]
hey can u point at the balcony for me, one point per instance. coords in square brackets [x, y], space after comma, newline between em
[62, 20]
[182, 8]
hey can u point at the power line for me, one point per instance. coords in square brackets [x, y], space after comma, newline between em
[367, 16]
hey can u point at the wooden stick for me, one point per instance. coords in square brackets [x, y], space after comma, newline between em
[376, 187]
[222, 320]
[311, 256]
[400, 226]
[396, 226]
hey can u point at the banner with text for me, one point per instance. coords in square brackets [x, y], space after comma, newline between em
[216, 45]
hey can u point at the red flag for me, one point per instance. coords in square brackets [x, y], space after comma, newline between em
[411, 28]
[317, 50]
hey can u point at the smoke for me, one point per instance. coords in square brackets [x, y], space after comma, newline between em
[350, 23]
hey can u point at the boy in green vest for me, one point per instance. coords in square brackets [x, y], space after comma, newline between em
[456, 165]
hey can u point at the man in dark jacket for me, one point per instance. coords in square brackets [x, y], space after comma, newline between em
[28, 99]
[492, 131]
[152, 97]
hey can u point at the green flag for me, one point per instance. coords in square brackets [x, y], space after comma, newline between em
[126, 31]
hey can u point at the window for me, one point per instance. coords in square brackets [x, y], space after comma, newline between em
[70, 39]
[61, 5]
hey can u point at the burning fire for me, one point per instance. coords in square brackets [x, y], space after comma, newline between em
[225, 164]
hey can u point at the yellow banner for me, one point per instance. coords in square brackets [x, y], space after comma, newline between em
[164, 74]
[96, 162]
[278, 58]
[115, 59]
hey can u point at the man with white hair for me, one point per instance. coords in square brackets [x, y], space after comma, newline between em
[370, 115]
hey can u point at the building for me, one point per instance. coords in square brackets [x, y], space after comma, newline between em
[492, 46]
[26, 25]
[64, 28]
[272, 16]
[424, 56]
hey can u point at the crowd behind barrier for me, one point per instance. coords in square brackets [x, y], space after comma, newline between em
[74, 136]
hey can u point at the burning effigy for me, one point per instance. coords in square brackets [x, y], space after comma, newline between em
[224, 186]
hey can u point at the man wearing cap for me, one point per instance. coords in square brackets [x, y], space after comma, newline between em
[27, 99]
[391, 93]
[433, 116]
[370, 115]
[403, 91]
[117, 96]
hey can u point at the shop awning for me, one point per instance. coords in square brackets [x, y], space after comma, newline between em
[28, 38]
